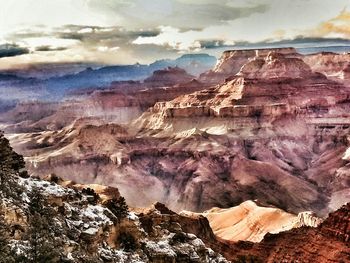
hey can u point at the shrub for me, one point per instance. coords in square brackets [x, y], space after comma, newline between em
[9, 160]
[127, 241]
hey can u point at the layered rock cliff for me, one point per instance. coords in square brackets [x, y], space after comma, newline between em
[231, 62]
[272, 129]
[330, 64]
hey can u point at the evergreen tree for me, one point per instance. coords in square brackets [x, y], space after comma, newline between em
[93, 197]
[118, 207]
[10, 164]
[45, 247]
[5, 249]
[9, 160]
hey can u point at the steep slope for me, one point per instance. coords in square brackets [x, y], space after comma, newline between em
[276, 111]
[327, 243]
[95, 228]
[251, 222]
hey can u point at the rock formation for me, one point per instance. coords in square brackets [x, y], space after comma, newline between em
[329, 64]
[251, 222]
[269, 128]
[232, 61]
[326, 243]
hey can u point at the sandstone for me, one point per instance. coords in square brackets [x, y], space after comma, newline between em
[250, 222]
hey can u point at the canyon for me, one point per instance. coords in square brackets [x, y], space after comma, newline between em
[88, 220]
[255, 149]
[271, 129]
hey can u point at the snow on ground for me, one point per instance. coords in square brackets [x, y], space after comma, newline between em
[45, 187]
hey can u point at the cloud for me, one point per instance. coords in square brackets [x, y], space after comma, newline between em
[338, 26]
[88, 43]
[280, 20]
[93, 34]
[174, 13]
[126, 31]
[12, 50]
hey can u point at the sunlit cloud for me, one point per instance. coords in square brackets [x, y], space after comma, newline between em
[338, 26]
[107, 49]
[54, 43]
[130, 31]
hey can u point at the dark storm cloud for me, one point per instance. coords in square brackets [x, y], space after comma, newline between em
[12, 50]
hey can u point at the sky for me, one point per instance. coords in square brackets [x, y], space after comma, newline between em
[130, 31]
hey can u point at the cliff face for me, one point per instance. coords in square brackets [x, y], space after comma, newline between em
[269, 85]
[275, 117]
[327, 243]
[272, 129]
[328, 63]
[231, 62]
[121, 102]
[251, 222]
[92, 223]
[338, 224]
